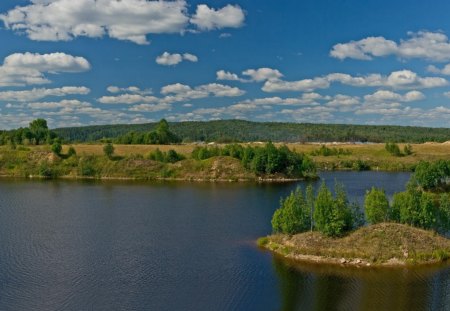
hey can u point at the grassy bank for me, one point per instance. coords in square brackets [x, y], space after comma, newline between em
[385, 244]
[370, 156]
[39, 162]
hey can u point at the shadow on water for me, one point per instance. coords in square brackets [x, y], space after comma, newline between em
[325, 287]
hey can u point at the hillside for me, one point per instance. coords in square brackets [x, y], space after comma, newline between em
[246, 131]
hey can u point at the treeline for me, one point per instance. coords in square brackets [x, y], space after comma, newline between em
[264, 160]
[226, 131]
[37, 133]
[160, 136]
[335, 216]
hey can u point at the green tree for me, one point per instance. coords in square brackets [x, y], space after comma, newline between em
[426, 175]
[108, 150]
[342, 209]
[310, 203]
[444, 212]
[376, 206]
[163, 134]
[323, 209]
[293, 215]
[39, 130]
[428, 211]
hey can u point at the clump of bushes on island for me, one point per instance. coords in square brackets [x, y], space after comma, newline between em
[394, 149]
[266, 160]
[326, 152]
[424, 204]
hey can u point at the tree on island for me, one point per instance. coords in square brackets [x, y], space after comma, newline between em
[332, 216]
[376, 206]
[293, 215]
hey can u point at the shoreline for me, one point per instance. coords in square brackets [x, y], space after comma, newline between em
[169, 179]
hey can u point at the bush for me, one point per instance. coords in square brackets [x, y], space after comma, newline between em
[376, 206]
[46, 170]
[325, 151]
[170, 156]
[108, 150]
[360, 165]
[393, 149]
[71, 151]
[87, 166]
[407, 150]
[56, 147]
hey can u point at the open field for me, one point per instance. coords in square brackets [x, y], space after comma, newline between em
[373, 155]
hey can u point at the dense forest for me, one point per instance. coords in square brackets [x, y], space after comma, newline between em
[246, 131]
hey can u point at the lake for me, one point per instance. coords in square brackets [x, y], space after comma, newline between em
[73, 245]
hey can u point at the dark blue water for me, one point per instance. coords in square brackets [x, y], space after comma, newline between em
[180, 246]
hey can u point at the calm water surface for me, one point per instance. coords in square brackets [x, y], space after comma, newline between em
[181, 246]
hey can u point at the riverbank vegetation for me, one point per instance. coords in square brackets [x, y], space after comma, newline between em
[425, 204]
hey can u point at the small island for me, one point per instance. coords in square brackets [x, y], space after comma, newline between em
[327, 229]
[384, 244]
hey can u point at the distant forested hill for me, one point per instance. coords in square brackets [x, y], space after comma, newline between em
[245, 131]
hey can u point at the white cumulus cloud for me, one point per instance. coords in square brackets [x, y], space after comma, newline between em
[402, 79]
[127, 99]
[168, 59]
[385, 95]
[132, 20]
[444, 71]
[208, 18]
[39, 93]
[433, 46]
[305, 85]
[131, 89]
[29, 68]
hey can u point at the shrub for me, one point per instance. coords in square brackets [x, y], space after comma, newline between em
[407, 150]
[56, 147]
[393, 149]
[71, 151]
[108, 150]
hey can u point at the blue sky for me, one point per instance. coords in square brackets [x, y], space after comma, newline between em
[134, 61]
